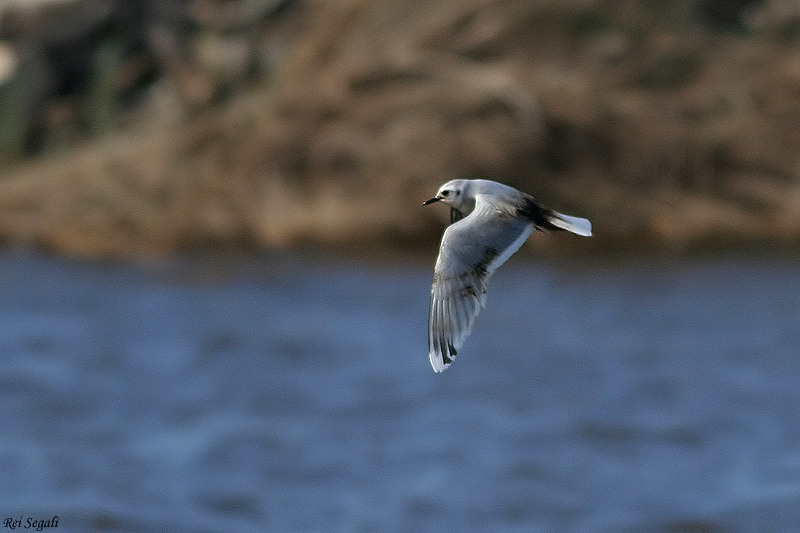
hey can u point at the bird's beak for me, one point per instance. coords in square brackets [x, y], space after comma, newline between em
[432, 200]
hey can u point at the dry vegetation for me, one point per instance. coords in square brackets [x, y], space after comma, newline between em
[665, 132]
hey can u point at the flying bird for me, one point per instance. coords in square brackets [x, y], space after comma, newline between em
[489, 221]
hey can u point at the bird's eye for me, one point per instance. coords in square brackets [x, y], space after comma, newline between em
[445, 192]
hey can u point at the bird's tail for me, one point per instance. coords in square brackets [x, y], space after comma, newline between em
[576, 225]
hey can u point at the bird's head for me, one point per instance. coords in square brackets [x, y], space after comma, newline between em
[456, 194]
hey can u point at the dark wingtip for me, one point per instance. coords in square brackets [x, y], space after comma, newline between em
[451, 350]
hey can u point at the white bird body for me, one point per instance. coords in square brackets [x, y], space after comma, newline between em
[490, 221]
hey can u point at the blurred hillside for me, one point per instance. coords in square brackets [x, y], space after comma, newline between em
[138, 127]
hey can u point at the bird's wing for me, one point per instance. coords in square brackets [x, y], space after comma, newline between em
[471, 251]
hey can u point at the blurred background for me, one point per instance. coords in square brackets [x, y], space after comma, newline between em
[215, 265]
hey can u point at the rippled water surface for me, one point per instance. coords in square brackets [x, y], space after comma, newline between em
[275, 394]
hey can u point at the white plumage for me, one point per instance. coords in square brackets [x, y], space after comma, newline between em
[490, 222]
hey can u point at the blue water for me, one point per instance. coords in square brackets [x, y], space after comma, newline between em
[292, 393]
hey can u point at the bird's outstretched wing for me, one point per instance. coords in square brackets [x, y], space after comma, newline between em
[471, 250]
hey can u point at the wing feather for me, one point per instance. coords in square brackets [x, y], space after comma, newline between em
[471, 250]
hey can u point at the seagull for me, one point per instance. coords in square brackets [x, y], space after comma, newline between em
[489, 221]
